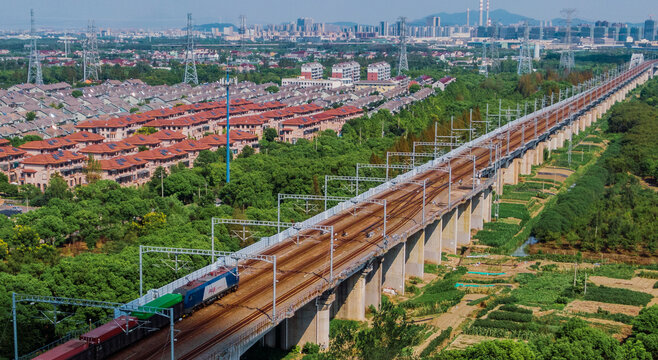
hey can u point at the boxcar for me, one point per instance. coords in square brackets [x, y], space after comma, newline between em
[174, 301]
[208, 288]
[72, 349]
[112, 337]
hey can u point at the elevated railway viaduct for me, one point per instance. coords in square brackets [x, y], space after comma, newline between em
[458, 194]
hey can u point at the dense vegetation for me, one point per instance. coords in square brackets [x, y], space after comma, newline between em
[609, 209]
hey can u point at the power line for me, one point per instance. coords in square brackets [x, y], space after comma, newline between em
[190, 63]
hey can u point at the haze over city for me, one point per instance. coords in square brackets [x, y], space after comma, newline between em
[168, 13]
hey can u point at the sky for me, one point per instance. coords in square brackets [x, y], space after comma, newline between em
[155, 14]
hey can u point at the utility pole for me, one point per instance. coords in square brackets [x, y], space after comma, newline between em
[525, 59]
[190, 62]
[34, 69]
[403, 64]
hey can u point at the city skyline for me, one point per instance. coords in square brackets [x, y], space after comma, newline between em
[166, 14]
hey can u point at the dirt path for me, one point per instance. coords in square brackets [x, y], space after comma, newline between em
[453, 318]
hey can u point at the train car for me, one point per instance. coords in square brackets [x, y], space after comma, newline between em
[174, 301]
[71, 350]
[208, 288]
[113, 336]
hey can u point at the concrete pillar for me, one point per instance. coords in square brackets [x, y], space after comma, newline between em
[509, 174]
[487, 199]
[527, 161]
[309, 324]
[449, 232]
[374, 284]
[393, 268]
[464, 223]
[350, 303]
[415, 254]
[583, 124]
[477, 211]
[433, 242]
[539, 153]
[269, 340]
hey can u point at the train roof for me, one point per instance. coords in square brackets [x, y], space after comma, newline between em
[109, 330]
[65, 351]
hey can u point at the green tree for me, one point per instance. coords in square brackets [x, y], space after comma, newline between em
[414, 88]
[647, 321]
[30, 116]
[270, 134]
[57, 188]
[76, 93]
[272, 89]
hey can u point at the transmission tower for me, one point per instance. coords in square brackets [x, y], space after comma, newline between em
[243, 30]
[190, 63]
[566, 56]
[525, 59]
[493, 49]
[90, 59]
[483, 69]
[34, 69]
[404, 64]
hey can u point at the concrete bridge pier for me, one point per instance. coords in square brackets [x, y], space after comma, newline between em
[309, 324]
[477, 214]
[464, 223]
[539, 153]
[449, 232]
[374, 284]
[527, 161]
[415, 254]
[433, 242]
[393, 268]
[350, 303]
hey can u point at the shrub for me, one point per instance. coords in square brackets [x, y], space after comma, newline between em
[617, 296]
[514, 308]
[511, 316]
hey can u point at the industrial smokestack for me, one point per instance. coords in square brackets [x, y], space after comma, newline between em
[488, 20]
[481, 3]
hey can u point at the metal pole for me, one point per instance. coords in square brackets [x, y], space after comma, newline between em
[141, 292]
[278, 213]
[13, 314]
[424, 187]
[274, 290]
[384, 235]
[171, 327]
[357, 183]
[228, 143]
[212, 239]
[449, 184]
[474, 158]
[325, 192]
[331, 259]
[386, 166]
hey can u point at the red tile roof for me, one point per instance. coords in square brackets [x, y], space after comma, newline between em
[4, 142]
[143, 140]
[191, 146]
[108, 148]
[58, 157]
[121, 162]
[6, 151]
[49, 144]
[169, 135]
[85, 136]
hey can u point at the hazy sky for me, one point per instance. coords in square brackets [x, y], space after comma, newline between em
[168, 13]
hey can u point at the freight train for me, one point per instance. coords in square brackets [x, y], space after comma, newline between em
[125, 330]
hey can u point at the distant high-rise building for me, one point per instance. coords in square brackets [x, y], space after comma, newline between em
[304, 24]
[434, 21]
[650, 30]
[383, 28]
[379, 71]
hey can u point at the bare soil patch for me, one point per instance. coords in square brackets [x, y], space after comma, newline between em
[463, 341]
[593, 306]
